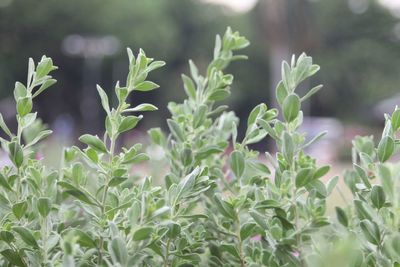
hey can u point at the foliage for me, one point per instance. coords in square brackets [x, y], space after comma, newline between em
[218, 206]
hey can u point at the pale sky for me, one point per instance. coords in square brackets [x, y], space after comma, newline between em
[246, 5]
[236, 5]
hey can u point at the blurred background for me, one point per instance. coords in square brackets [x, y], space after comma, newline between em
[356, 43]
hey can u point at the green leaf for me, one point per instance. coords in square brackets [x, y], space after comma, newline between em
[386, 178]
[200, 115]
[219, 94]
[118, 251]
[268, 204]
[321, 172]
[44, 67]
[332, 184]
[4, 127]
[13, 257]
[303, 177]
[44, 206]
[116, 181]
[93, 142]
[75, 192]
[231, 249]
[255, 114]
[157, 136]
[246, 230]
[193, 70]
[142, 233]
[92, 155]
[174, 229]
[155, 65]
[207, 151]
[281, 93]
[129, 123]
[20, 91]
[291, 107]
[260, 219]
[371, 231]
[385, 148]
[311, 92]
[186, 185]
[84, 239]
[287, 147]
[104, 99]
[24, 106]
[4, 183]
[286, 76]
[146, 86]
[341, 216]
[176, 130]
[39, 137]
[378, 196]
[186, 156]
[26, 236]
[136, 159]
[7, 236]
[143, 107]
[225, 208]
[237, 163]
[19, 209]
[78, 194]
[395, 120]
[44, 86]
[16, 153]
[189, 86]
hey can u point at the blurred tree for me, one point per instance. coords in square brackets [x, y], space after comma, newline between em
[356, 48]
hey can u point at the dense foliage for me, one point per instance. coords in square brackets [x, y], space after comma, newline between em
[220, 203]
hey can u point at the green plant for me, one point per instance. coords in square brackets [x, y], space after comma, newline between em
[218, 206]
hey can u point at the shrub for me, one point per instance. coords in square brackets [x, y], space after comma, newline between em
[215, 208]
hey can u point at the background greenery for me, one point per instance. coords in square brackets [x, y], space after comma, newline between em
[355, 45]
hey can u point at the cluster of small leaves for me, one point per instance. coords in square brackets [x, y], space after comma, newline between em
[270, 216]
[28, 190]
[373, 217]
[219, 206]
[111, 220]
[200, 132]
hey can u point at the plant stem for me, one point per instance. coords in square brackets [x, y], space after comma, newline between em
[241, 255]
[104, 197]
[166, 261]
[44, 238]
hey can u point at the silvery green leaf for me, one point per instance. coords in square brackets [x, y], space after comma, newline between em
[128, 123]
[4, 127]
[26, 236]
[237, 163]
[378, 196]
[44, 206]
[47, 83]
[371, 231]
[310, 93]
[142, 233]
[385, 148]
[118, 251]
[341, 216]
[146, 86]
[189, 86]
[94, 142]
[104, 99]
[291, 107]
[142, 107]
[288, 148]
[176, 130]
[24, 106]
[396, 119]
